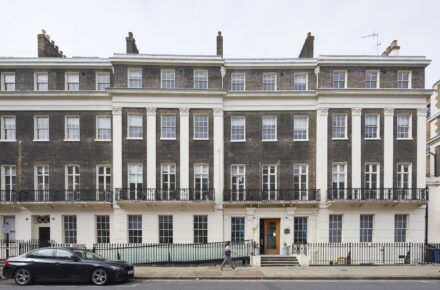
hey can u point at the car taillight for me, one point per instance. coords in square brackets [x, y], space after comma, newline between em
[6, 262]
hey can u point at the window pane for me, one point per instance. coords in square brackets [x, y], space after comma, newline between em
[269, 130]
[238, 128]
[300, 127]
[237, 81]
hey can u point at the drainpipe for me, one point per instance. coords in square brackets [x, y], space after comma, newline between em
[223, 72]
[317, 70]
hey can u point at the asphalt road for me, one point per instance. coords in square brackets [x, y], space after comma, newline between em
[244, 285]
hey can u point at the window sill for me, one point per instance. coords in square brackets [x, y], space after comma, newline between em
[133, 138]
[404, 139]
[372, 139]
[103, 140]
[201, 139]
[41, 140]
[300, 140]
[341, 139]
[3, 140]
[238, 141]
[167, 139]
[269, 140]
[72, 140]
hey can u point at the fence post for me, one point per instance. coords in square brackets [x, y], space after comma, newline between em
[7, 245]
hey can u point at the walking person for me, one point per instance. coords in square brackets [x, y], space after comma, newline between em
[228, 258]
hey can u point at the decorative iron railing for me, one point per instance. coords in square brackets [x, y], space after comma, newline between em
[158, 194]
[378, 194]
[277, 195]
[64, 195]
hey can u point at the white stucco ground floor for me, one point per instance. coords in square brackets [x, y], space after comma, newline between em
[272, 227]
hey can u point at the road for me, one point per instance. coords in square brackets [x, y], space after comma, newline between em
[245, 285]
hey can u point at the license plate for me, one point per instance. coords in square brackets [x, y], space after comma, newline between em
[130, 272]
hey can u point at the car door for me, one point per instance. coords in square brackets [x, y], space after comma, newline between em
[67, 269]
[42, 264]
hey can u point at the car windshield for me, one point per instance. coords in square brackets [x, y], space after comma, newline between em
[88, 255]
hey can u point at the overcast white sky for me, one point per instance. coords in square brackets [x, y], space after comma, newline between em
[251, 28]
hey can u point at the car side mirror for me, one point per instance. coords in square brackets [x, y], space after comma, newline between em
[74, 258]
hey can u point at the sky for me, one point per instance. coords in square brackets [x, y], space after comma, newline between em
[251, 28]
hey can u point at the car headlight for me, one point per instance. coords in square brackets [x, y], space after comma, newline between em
[116, 268]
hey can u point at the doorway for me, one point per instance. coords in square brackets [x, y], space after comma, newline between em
[270, 236]
[44, 236]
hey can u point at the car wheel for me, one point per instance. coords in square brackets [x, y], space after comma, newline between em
[100, 277]
[22, 277]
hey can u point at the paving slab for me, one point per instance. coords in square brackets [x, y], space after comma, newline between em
[292, 273]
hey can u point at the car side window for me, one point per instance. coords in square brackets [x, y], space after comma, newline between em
[63, 254]
[44, 253]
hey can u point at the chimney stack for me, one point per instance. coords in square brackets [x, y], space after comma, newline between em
[131, 44]
[307, 49]
[392, 50]
[46, 47]
[219, 44]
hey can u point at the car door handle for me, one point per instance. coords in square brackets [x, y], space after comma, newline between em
[31, 261]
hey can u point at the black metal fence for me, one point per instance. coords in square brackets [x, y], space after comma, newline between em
[158, 194]
[299, 195]
[324, 254]
[173, 253]
[54, 195]
[13, 248]
[378, 194]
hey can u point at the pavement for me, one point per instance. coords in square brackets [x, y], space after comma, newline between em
[419, 272]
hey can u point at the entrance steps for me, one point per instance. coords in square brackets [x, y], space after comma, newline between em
[278, 261]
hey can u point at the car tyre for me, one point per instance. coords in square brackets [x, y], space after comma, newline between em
[100, 277]
[22, 277]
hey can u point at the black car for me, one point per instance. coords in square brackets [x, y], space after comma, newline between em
[65, 265]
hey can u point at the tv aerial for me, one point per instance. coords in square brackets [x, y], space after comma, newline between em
[374, 35]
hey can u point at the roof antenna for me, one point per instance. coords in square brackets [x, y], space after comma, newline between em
[376, 36]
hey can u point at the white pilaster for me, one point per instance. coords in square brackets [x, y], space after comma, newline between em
[151, 147]
[117, 148]
[218, 154]
[356, 178]
[388, 151]
[421, 147]
[184, 147]
[321, 152]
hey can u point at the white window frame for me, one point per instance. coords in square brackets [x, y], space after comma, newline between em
[162, 127]
[43, 193]
[105, 175]
[244, 131]
[399, 172]
[3, 81]
[194, 127]
[66, 135]
[272, 194]
[170, 169]
[409, 79]
[338, 173]
[164, 72]
[345, 80]
[102, 73]
[72, 238]
[303, 191]
[128, 126]
[97, 128]
[232, 81]
[239, 167]
[377, 72]
[273, 76]
[36, 139]
[377, 128]
[405, 228]
[332, 230]
[368, 228]
[307, 80]
[409, 126]
[368, 173]
[130, 70]
[262, 128]
[346, 126]
[75, 175]
[66, 82]
[307, 127]
[3, 135]
[197, 80]
[36, 83]
[139, 172]
[3, 175]
[199, 192]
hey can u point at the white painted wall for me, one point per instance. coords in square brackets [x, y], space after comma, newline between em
[434, 210]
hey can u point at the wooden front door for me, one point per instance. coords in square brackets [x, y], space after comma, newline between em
[272, 236]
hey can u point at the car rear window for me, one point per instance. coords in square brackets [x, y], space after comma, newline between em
[63, 254]
[43, 253]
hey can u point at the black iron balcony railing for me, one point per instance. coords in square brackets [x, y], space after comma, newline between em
[158, 194]
[378, 194]
[63, 195]
[299, 195]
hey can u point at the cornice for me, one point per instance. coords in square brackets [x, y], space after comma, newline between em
[167, 92]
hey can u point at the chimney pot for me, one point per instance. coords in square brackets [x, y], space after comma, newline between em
[219, 44]
[131, 44]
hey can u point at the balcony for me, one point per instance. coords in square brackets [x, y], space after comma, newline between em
[56, 196]
[393, 195]
[162, 195]
[278, 196]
